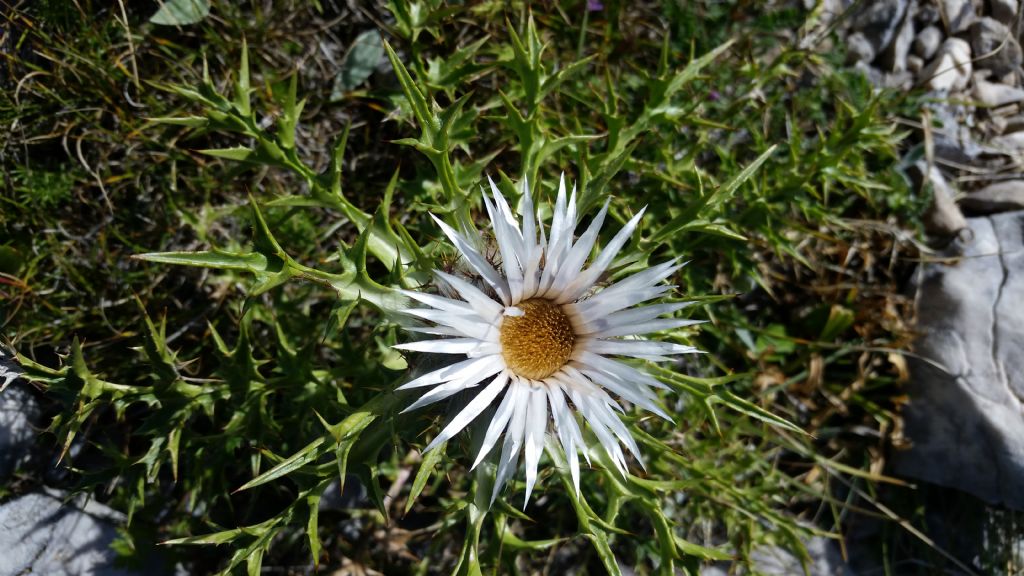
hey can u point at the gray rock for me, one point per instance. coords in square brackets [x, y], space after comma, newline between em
[19, 414]
[879, 20]
[894, 58]
[39, 534]
[965, 416]
[926, 14]
[998, 197]
[954, 141]
[859, 49]
[927, 42]
[914, 64]
[1004, 10]
[9, 369]
[1014, 124]
[950, 71]
[994, 46]
[902, 80]
[992, 94]
[943, 218]
[1011, 143]
[959, 15]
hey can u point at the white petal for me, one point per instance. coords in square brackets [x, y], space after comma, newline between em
[570, 268]
[509, 245]
[471, 326]
[583, 282]
[607, 302]
[478, 262]
[568, 432]
[536, 425]
[622, 371]
[487, 309]
[468, 346]
[587, 406]
[499, 421]
[477, 405]
[627, 317]
[630, 391]
[440, 302]
[604, 413]
[600, 305]
[636, 348]
[464, 370]
[646, 327]
[514, 434]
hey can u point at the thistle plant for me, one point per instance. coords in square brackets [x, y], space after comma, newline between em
[567, 340]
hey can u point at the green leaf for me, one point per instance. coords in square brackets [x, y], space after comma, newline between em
[214, 538]
[189, 121]
[310, 453]
[238, 153]
[180, 12]
[312, 527]
[358, 63]
[430, 460]
[699, 551]
[711, 201]
[251, 261]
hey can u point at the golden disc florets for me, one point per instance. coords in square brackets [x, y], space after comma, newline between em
[539, 341]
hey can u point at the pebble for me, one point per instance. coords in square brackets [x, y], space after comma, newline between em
[41, 534]
[1004, 10]
[927, 42]
[959, 15]
[994, 46]
[998, 197]
[878, 21]
[859, 49]
[950, 71]
[992, 94]
[19, 415]
[943, 218]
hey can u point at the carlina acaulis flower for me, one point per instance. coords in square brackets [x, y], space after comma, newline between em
[538, 336]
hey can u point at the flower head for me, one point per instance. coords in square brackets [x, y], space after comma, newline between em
[538, 337]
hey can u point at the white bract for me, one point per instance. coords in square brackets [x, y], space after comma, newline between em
[538, 337]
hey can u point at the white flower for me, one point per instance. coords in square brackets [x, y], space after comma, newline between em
[542, 340]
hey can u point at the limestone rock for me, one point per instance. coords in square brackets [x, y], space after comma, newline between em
[943, 218]
[927, 42]
[995, 47]
[19, 413]
[879, 20]
[950, 71]
[959, 15]
[998, 197]
[1011, 143]
[992, 94]
[1004, 10]
[39, 534]
[965, 416]
[894, 58]
[859, 49]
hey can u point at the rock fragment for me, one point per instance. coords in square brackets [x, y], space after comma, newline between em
[965, 416]
[1004, 10]
[927, 42]
[958, 15]
[992, 94]
[997, 197]
[950, 71]
[995, 47]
